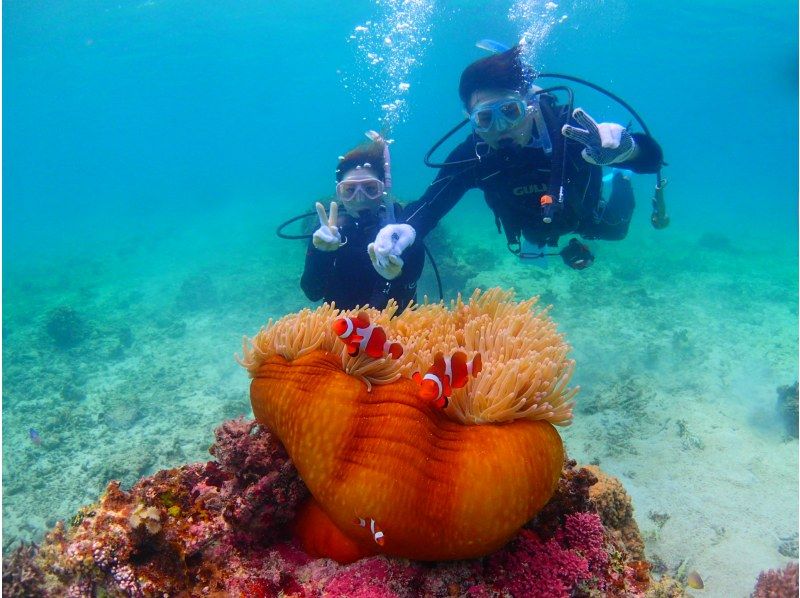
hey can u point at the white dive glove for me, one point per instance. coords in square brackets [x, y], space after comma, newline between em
[605, 143]
[327, 237]
[385, 252]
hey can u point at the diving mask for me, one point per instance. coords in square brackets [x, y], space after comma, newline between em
[501, 115]
[348, 190]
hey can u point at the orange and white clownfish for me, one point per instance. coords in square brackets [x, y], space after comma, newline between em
[446, 374]
[377, 534]
[359, 335]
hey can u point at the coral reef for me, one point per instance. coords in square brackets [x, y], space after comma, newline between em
[66, 327]
[223, 528]
[788, 407]
[778, 583]
[571, 496]
[140, 542]
[22, 572]
[616, 512]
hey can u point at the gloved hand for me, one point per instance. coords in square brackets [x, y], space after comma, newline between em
[385, 252]
[390, 268]
[605, 143]
[327, 237]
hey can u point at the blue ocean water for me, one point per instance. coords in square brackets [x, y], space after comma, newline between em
[152, 147]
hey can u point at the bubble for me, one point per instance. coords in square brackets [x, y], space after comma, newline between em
[535, 19]
[388, 48]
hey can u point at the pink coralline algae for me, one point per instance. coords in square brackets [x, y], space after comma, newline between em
[223, 528]
[578, 557]
[781, 583]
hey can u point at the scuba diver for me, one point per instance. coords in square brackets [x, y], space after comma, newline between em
[338, 265]
[539, 164]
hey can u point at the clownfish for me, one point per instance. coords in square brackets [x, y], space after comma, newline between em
[445, 375]
[359, 335]
[377, 534]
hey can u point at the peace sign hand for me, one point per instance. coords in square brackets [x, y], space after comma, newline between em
[604, 143]
[327, 237]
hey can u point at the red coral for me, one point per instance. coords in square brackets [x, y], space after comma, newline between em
[778, 583]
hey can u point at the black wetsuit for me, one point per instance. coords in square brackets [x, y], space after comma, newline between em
[346, 275]
[514, 179]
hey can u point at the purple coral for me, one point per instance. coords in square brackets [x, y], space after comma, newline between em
[263, 488]
[778, 583]
[223, 528]
[122, 576]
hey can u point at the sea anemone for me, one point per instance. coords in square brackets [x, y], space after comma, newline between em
[391, 474]
[525, 372]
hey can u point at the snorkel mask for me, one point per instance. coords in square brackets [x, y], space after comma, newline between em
[369, 187]
[506, 113]
[362, 192]
[500, 115]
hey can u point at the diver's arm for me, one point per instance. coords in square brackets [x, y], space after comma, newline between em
[449, 186]
[316, 272]
[607, 143]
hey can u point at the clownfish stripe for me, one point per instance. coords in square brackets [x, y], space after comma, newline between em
[349, 330]
[366, 336]
[377, 534]
[438, 382]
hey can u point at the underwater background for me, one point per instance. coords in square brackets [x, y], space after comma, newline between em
[151, 149]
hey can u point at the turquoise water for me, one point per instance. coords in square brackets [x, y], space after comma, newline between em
[152, 148]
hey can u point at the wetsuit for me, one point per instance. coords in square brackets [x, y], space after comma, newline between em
[346, 275]
[514, 179]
